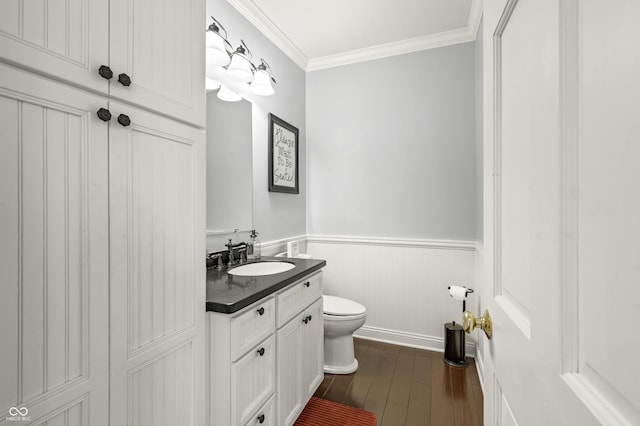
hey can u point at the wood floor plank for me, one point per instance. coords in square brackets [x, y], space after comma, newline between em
[419, 408]
[394, 414]
[464, 413]
[407, 386]
[441, 397]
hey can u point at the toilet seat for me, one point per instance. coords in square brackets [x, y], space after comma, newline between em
[338, 306]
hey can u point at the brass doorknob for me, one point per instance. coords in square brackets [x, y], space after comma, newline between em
[469, 322]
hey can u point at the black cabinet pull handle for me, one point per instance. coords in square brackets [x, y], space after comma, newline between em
[307, 284]
[305, 320]
[261, 418]
[104, 114]
[124, 120]
[261, 311]
[309, 318]
[105, 72]
[261, 351]
[124, 79]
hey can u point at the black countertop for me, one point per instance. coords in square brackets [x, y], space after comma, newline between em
[230, 293]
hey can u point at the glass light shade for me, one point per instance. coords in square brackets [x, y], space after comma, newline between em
[211, 84]
[261, 85]
[240, 69]
[227, 95]
[217, 56]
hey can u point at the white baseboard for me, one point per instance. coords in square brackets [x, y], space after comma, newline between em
[411, 340]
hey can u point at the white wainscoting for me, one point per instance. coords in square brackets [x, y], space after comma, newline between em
[402, 283]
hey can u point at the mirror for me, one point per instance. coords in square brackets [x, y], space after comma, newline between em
[229, 166]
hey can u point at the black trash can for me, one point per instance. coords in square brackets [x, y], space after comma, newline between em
[454, 345]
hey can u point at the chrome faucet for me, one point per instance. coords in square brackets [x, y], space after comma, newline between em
[231, 261]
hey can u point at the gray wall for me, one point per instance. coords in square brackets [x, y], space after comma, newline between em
[275, 215]
[392, 147]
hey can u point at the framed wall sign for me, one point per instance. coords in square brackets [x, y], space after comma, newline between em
[283, 156]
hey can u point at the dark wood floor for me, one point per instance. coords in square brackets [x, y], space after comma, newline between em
[406, 386]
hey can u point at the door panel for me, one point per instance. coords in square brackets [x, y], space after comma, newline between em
[157, 273]
[67, 40]
[154, 43]
[561, 200]
[53, 250]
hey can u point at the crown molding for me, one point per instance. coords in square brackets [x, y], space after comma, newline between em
[402, 47]
[257, 17]
[262, 22]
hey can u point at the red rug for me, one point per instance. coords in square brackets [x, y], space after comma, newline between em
[321, 412]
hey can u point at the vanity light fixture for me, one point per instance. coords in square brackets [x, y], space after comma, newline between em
[218, 47]
[241, 69]
[263, 82]
[228, 95]
[231, 72]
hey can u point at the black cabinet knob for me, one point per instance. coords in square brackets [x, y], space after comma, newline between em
[261, 418]
[105, 72]
[305, 320]
[310, 317]
[307, 284]
[261, 311]
[104, 114]
[124, 120]
[261, 351]
[124, 79]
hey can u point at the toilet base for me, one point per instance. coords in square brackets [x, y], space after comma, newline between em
[341, 369]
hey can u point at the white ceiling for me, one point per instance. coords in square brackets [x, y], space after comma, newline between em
[327, 33]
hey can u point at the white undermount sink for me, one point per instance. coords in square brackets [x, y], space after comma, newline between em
[261, 268]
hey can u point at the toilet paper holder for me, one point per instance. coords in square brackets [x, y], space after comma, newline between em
[469, 323]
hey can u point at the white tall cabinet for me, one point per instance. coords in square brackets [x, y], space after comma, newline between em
[102, 223]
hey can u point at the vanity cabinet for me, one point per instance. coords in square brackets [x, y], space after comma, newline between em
[157, 45]
[266, 360]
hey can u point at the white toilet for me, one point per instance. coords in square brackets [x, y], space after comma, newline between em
[341, 318]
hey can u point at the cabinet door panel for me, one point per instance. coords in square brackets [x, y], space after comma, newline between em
[53, 249]
[313, 344]
[66, 40]
[154, 43]
[289, 381]
[252, 381]
[157, 283]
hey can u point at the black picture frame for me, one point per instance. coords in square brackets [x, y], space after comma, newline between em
[283, 156]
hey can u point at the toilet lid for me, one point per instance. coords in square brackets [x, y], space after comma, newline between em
[333, 305]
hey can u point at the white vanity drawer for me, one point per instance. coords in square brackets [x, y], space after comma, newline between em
[297, 297]
[266, 416]
[252, 326]
[252, 381]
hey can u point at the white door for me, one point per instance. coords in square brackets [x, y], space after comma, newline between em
[562, 209]
[157, 280]
[157, 45]
[54, 276]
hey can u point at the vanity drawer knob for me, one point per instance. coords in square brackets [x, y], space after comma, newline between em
[307, 284]
[261, 311]
[261, 351]
[261, 418]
